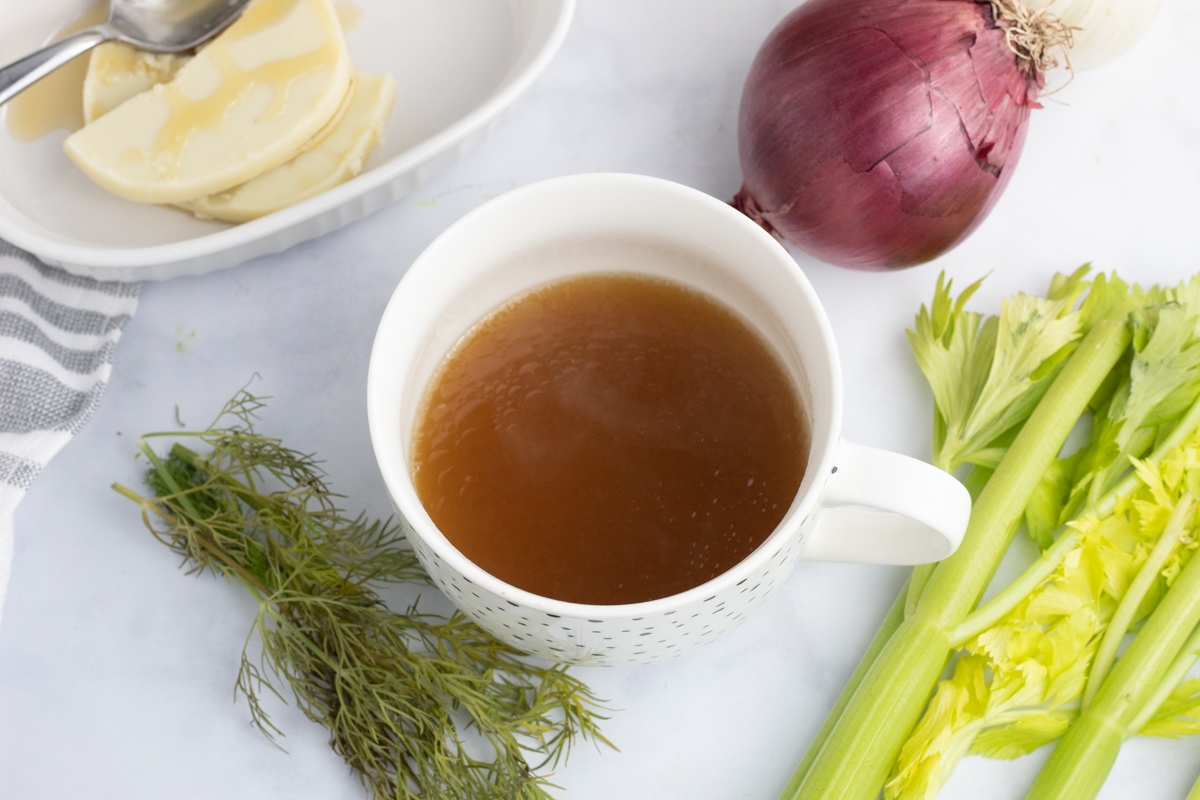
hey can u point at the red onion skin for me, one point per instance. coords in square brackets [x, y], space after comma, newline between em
[878, 134]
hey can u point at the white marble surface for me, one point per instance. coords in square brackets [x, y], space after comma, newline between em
[116, 670]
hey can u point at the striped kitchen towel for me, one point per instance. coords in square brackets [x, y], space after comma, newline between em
[57, 334]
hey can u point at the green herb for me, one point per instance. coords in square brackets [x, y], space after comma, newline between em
[987, 375]
[1082, 760]
[854, 759]
[1161, 382]
[418, 706]
[1007, 390]
[976, 417]
[1014, 687]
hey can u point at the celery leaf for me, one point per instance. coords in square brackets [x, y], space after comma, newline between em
[1179, 715]
[1030, 731]
[987, 375]
[1014, 684]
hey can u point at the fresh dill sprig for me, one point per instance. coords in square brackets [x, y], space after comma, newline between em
[419, 706]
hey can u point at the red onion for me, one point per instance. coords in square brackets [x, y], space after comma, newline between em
[877, 134]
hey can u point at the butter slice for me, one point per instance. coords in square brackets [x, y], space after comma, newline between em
[332, 161]
[118, 71]
[246, 103]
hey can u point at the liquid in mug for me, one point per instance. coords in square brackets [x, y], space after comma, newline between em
[607, 439]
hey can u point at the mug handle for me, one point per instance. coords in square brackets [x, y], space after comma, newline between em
[916, 512]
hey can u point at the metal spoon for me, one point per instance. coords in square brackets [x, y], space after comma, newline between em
[163, 26]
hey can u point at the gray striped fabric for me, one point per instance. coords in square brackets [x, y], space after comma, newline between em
[57, 334]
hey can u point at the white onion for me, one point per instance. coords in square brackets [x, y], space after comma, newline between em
[1107, 28]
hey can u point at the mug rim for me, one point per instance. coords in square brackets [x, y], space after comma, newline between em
[392, 461]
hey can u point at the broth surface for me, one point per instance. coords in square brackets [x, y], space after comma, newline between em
[609, 439]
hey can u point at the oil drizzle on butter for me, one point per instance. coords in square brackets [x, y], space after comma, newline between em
[56, 101]
[119, 72]
[188, 116]
[349, 14]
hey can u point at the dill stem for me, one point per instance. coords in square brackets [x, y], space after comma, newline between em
[167, 478]
[260, 591]
[246, 494]
[228, 561]
[854, 760]
[1084, 756]
[211, 548]
[125, 491]
[253, 585]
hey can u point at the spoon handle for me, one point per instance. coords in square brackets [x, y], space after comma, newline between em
[23, 73]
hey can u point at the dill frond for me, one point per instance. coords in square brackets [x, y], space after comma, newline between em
[420, 707]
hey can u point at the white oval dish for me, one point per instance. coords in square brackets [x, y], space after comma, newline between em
[460, 66]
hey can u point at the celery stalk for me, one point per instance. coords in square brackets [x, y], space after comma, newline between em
[994, 610]
[1089, 753]
[1175, 674]
[916, 585]
[854, 760]
[1083, 758]
[888, 627]
[1194, 794]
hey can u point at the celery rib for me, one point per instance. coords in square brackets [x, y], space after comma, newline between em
[1081, 761]
[916, 585]
[853, 761]
[895, 616]
[1037, 573]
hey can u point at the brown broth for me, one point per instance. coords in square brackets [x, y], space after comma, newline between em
[609, 439]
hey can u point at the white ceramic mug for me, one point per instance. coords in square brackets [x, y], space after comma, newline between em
[855, 503]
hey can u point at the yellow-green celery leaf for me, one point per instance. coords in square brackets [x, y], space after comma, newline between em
[1012, 682]
[1179, 715]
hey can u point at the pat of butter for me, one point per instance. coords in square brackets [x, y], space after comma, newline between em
[246, 103]
[118, 71]
[334, 159]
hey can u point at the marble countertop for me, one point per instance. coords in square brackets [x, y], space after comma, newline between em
[117, 670]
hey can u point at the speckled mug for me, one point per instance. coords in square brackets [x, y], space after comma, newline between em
[855, 504]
